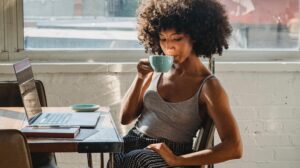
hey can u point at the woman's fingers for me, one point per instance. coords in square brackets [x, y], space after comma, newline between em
[144, 68]
[145, 63]
[157, 146]
[164, 151]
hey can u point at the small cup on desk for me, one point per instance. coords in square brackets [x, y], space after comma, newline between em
[161, 63]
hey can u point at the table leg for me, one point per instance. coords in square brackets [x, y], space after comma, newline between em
[101, 160]
[90, 161]
[111, 157]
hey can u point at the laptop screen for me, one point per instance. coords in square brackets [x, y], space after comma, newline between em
[27, 87]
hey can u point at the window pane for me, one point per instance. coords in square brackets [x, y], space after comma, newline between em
[1, 28]
[81, 24]
[263, 23]
[106, 24]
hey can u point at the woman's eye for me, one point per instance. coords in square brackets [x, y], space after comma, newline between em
[178, 39]
[162, 39]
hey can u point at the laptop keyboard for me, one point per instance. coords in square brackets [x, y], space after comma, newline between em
[56, 118]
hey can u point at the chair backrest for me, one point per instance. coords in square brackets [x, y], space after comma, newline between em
[10, 95]
[14, 150]
[204, 138]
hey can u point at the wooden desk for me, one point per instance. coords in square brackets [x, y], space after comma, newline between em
[107, 139]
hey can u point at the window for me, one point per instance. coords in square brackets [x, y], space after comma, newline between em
[104, 30]
[67, 24]
[80, 24]
[263, 23]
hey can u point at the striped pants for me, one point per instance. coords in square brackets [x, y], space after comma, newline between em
[136, 156]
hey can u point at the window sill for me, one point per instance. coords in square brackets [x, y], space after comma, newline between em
[133, 55]
[125, 67]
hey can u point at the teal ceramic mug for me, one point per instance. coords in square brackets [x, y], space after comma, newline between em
[161, 63]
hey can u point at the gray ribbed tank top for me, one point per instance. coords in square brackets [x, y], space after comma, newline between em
[177, 122]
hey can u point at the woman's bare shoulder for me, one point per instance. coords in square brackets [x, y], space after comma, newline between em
[212, 89]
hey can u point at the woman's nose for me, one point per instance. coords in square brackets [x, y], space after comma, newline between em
[169, 48]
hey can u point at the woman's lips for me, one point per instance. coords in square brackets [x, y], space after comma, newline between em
[175, 60]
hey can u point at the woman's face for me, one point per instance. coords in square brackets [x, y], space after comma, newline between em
[176, 44]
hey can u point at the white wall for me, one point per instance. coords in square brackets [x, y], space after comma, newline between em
[264, 99]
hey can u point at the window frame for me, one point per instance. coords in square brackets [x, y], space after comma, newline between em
[3, 53]
[15, 47]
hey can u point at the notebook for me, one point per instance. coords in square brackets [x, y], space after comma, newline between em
[33, 110]
[50, 132]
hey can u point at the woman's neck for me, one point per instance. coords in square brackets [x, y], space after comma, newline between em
[192, 66]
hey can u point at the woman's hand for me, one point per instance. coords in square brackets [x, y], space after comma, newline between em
[144, 68]
[165, 152]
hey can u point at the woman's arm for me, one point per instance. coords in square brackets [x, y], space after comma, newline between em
[216, 101]
[215, 98]
[133, 100]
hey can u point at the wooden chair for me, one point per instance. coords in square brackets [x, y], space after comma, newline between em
[205, 137]
[10, 96]
[14, 149]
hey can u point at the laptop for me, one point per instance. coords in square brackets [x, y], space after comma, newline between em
[33, 108]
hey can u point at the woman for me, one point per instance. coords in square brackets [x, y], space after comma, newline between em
[170, 107]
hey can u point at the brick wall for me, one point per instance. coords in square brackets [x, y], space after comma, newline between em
[267, 109]
[264, 102]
